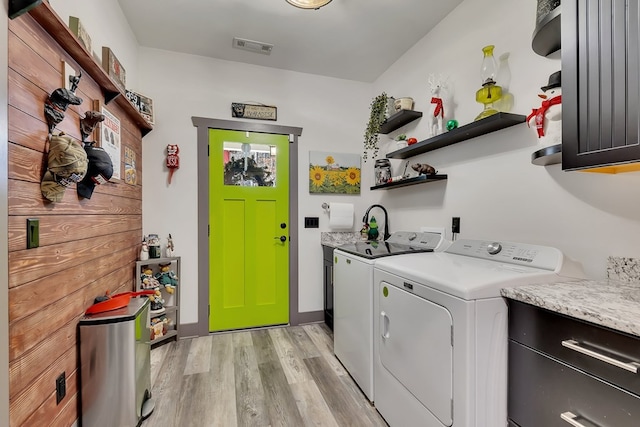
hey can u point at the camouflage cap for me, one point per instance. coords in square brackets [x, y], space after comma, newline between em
[66, 163]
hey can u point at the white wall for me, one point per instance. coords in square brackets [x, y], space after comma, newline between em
[330, 111]
[492, 184]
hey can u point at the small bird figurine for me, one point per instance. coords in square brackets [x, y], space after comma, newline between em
[424, 169]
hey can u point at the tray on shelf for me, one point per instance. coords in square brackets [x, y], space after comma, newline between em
[481, 127]
[410, 181]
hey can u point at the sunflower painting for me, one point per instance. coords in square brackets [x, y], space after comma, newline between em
[334, 173]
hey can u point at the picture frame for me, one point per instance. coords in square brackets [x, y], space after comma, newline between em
[143, 104]
[109, 138]
[254, 111]
[78, 30]
[114, 68]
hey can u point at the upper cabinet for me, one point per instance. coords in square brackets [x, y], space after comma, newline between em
[600, 85]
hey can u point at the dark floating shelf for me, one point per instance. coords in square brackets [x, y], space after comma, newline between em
[481, 127]
[420, 179]
[398, 120]
[547, 156]
[546, 36]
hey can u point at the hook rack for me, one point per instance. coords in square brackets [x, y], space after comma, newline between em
[325, 206]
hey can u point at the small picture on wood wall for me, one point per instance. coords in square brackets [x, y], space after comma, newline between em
[334, 172]
[110, 140]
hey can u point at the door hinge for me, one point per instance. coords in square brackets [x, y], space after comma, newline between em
[207, 150]
[451, 335]
[209, 310]
[208, 230]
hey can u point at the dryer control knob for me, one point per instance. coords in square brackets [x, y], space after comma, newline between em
[494, 248]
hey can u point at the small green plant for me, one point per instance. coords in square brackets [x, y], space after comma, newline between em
[377, 117]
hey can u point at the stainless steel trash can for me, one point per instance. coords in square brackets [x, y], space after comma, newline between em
[115, 366]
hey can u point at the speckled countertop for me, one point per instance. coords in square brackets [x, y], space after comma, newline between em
[338, 238]
[613, 303]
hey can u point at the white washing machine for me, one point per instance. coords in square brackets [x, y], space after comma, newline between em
[353, 298]
[440, 347]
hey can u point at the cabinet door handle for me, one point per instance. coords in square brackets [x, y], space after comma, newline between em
[575, 346]
[571, 418]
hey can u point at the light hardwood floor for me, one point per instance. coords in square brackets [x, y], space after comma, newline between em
[284, 376]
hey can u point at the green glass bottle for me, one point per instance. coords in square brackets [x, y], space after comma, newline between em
[373, 229]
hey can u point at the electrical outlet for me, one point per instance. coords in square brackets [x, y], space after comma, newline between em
[455, 224]
[61, 388]
[311, 222]
[67, 71]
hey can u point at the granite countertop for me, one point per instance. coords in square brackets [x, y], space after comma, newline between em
[614, 303]
[338, 238]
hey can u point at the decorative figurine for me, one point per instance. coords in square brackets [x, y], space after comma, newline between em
[452, 124]
[170, 248]
[436, 112]
[372, 233]
[144, 251]
[157, 303]
[147, 281]
[489, 92]
[548, 118]
[58, 101]
[167, 277]
[173, 161]
[424, 169]
[89, 122]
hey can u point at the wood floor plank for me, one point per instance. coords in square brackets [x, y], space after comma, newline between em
[199, 357]
[241, 339]
[157, 359]
[223, 402]
[292, 364]
[302, 341]
[196, 389]
[313, 408]
[342, 402]
[250, 402]
[281, 405]
[167, 390]
[319, 334]
[263, 346]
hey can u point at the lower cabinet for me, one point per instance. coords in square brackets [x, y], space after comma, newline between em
[566, 372]
[327, 252]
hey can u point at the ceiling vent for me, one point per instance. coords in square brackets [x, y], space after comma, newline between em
[252, 46]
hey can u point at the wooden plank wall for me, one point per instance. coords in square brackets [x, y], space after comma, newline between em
[87, 246]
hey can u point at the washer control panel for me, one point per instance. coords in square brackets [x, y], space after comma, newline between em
[545, 257]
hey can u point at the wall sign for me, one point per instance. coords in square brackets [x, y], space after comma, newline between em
[252, 111]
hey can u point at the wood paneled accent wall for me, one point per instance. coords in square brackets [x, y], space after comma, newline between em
[87, 246]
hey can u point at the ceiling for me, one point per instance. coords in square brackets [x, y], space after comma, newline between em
[347, 39]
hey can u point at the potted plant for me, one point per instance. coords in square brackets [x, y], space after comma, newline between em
[376, 118]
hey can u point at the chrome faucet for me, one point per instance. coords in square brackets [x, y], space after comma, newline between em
[365, 219]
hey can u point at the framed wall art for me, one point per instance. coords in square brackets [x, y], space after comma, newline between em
[143, 104]
[79, 31]
[334, 172]
[110, 140]
[114, 68]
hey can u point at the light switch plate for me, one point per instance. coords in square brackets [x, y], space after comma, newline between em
[33, 233]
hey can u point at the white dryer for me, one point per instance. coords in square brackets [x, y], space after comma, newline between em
[440, 347]
[353, 298]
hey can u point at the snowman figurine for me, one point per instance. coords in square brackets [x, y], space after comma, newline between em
[547, 119]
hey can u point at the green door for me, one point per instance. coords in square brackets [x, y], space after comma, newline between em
[248, 229]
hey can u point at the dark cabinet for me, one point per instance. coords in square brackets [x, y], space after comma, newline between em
[600, 85]
[564, 371]
[327, 252]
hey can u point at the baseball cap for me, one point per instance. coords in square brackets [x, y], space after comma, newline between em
[66, 164]
[100, 170]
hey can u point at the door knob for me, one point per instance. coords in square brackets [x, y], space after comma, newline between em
[283, 225]
[281, 238]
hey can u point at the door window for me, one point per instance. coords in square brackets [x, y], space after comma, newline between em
[249, 165]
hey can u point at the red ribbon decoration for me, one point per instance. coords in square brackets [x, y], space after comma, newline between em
[173, 161]
[539, 113]
[439, 110]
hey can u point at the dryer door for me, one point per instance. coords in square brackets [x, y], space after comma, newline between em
[416, 348]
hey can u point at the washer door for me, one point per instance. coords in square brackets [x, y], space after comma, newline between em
[416, 348]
